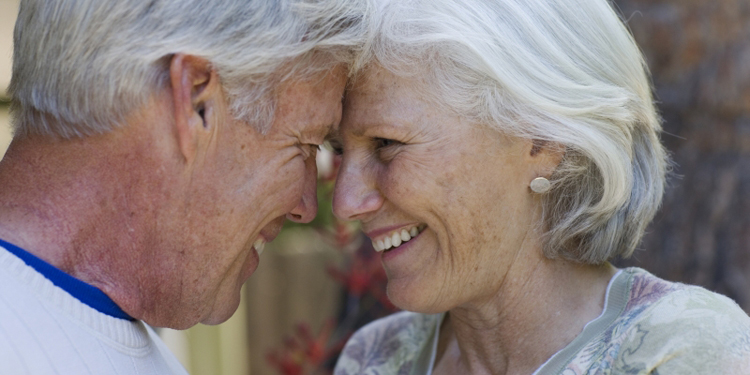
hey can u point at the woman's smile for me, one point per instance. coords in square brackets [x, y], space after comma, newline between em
[395, 238]
[420, 180]
[498, 155]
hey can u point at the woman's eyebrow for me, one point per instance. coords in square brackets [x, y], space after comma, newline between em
[333, 134]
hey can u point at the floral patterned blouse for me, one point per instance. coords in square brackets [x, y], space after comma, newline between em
[648, 326]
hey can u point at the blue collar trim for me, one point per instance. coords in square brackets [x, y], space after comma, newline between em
[86, 293]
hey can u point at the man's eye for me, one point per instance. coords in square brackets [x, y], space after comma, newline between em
[308, 149]
[313, 149]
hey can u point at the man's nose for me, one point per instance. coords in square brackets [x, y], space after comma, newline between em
[307, 207]
[355, 196]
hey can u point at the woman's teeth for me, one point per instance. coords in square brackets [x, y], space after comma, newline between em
[396, 238]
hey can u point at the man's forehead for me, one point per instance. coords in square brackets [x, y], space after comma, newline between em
[333, 79]
[315, 127]
[332, 130]
[311, 108]
[317, 130]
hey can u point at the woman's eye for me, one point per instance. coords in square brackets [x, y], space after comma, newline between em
[384, 142]
[387, 149]
[333, 146]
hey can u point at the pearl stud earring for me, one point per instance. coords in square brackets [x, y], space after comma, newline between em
[540, 185]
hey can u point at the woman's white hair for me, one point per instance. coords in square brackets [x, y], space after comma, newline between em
[80, 66]
[559, 72]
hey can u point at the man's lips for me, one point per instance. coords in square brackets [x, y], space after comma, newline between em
[268, 234]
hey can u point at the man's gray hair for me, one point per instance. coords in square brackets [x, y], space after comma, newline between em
[81, 66]
[559, 72]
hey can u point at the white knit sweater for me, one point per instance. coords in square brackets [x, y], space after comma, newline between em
[44, 330]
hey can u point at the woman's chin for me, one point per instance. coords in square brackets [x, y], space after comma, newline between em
[412, 299]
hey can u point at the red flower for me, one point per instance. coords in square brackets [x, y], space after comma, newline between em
[305, 353]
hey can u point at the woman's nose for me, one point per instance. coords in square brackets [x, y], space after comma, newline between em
[355, 196]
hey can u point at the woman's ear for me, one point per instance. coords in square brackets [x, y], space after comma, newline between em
[195, 90]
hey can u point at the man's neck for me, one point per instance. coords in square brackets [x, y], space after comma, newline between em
[73, 203]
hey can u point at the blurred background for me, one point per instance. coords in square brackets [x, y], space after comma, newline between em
[317, 283]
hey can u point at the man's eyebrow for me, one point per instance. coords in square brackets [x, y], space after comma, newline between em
[314, 132]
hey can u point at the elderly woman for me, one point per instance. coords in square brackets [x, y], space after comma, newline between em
[499, 154]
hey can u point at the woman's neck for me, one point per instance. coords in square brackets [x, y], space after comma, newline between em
[538, 310]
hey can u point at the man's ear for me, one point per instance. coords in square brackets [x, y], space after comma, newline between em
[545, 157]
[195, 91]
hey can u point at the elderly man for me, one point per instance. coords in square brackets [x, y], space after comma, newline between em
[158, 145]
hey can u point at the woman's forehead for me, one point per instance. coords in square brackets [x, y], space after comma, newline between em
[380, 103]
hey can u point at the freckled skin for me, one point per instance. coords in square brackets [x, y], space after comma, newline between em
[162, 212]
[254, 187]
[249, 183]
[408, 161]
[443, 175]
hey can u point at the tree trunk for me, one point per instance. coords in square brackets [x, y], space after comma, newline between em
[699, 55]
